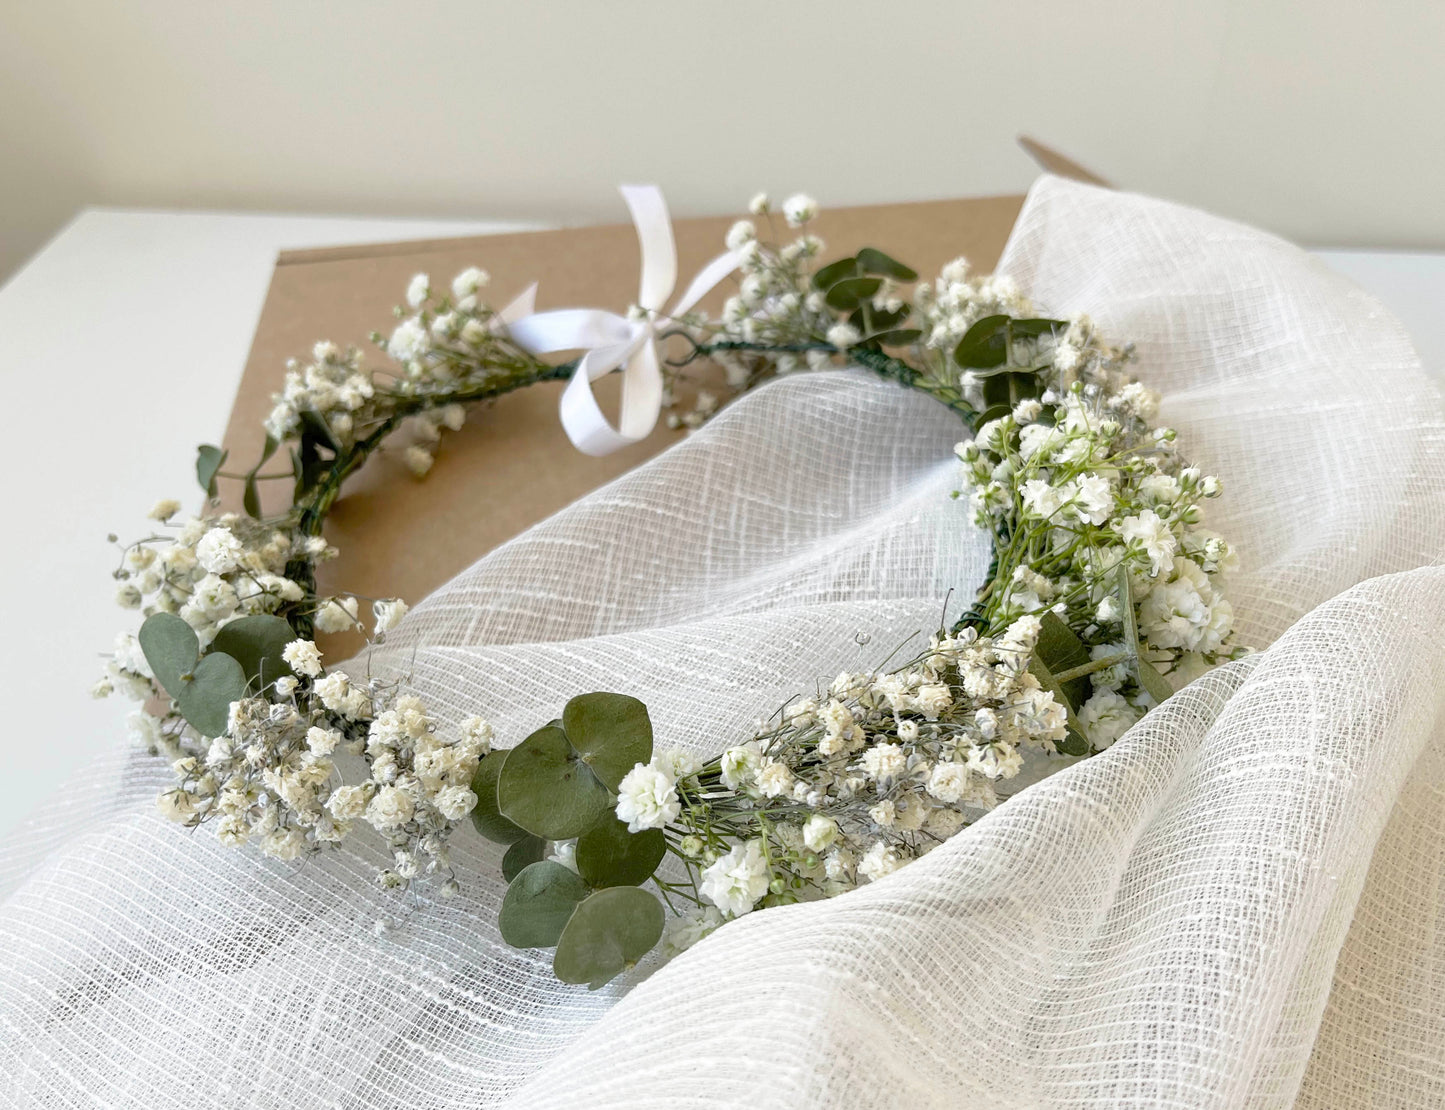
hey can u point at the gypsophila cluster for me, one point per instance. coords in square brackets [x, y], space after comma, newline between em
[852, 784]
[268, 743]
[1081, 491]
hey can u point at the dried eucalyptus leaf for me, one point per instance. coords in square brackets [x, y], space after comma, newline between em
[851, 292]
[171, 648]
[607, 934]
[538, 905]
[205, 700]
[547, 789]
[984, 345]
[209, 459]
[611, 732]
[835, 272]
[872, 261]
[522, 854]
[486, 816]
[609, 855]
[256, 643]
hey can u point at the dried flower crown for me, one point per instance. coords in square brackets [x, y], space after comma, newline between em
[1105, 594]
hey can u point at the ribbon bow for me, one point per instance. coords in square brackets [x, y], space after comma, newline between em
[611, 341]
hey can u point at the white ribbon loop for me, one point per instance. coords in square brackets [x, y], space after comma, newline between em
[610, 341]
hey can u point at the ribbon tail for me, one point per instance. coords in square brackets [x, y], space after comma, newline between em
[706, 279]
[567, 329]
[523, 304]
[654, 236]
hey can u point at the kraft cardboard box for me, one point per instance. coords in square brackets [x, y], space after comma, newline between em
[511, 465]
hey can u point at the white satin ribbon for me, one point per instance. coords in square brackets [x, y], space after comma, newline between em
[524, 304]
[611, 341]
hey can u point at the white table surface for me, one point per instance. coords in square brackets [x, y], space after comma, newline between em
[121, 346]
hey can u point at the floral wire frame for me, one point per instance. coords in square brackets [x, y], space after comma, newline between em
[1104, 595]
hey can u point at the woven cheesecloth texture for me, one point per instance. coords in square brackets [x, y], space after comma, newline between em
[1241, 903]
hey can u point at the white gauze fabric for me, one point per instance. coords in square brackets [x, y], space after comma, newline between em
[1241, 903]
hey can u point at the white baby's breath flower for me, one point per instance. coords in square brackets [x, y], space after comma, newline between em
[391, 806]
[409, 341]
[477, 733]
[333, 690]
[995, 762]
[736, 881]
[1091, 498]
[774, 779]
[819, 832]
[348, 802]
[466, 283]
[337, 614]
[799, 208]
[843, 336]
[128, 596]
[322, 741]
[283, 844]
[303, 657]
[1105, 717]
[1041, 498]
[682, 932]
[1152, 535]
[219, 551]
[454, 802]
[880, 859]
[934, 699]
[387, 613]
[563, 852]
[740, 234]
[417, 290]
[164, 510]
[418, 459]
[739, 764]
[647, 799]
[759, 205]
[884, 762]
[948, 782]
[676, 763]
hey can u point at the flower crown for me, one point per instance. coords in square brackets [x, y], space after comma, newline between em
[1104, 595]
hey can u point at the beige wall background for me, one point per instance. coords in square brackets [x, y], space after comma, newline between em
[1322, 121]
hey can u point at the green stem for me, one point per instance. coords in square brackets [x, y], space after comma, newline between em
[1089, 668]
[318, 501]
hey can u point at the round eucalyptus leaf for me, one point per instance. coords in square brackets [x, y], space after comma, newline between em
[611, 732]
[1031, 329]
[835, 272]
[205, 698]
[872, 261]
[538, 905]
[171, 649]
[851, 292]
[546, 788]
[256, 643]
[984, 345]
[209, 459]
[609, 855]
[993, 412]
[486, 816]
[607, 934]
[524, 853]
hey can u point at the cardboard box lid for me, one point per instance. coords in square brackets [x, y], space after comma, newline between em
[511, 465]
